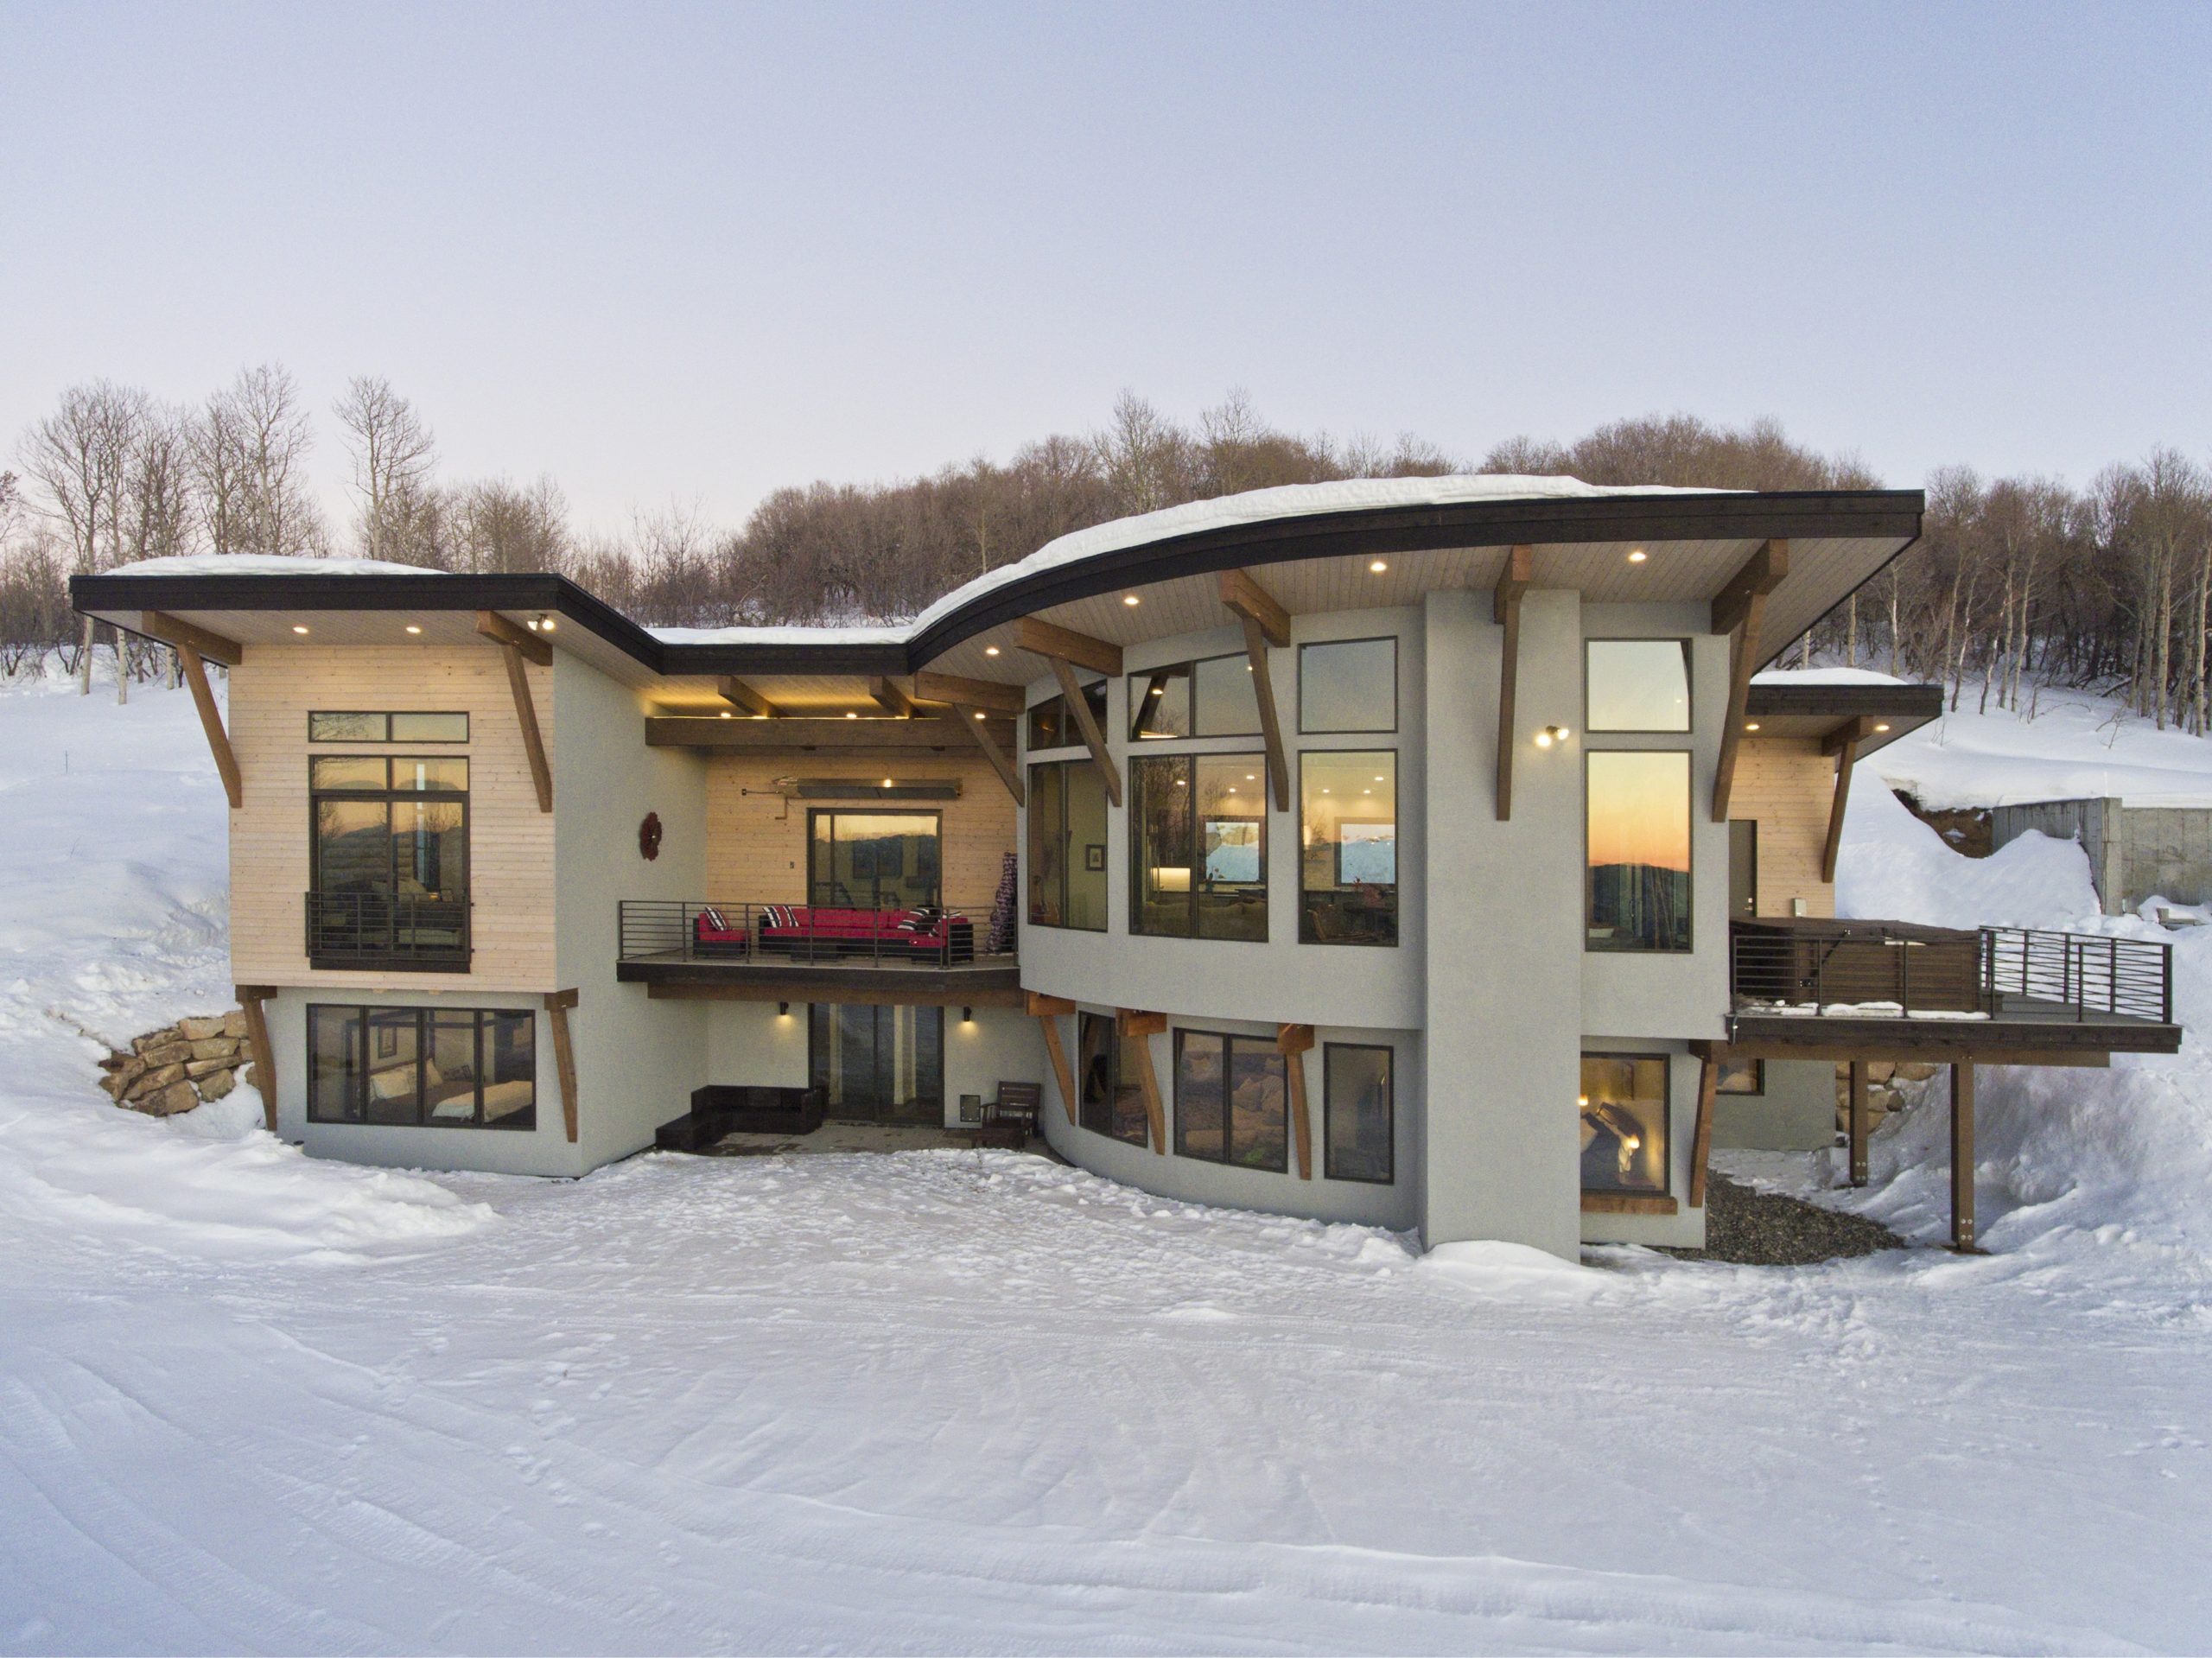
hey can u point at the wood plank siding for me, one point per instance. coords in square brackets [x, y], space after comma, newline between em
[510, 840]
[1786, 785]
[756, 835]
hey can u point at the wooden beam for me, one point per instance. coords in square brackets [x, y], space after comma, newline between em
[1041, 1006]
[1629, 1203]
[742, 697]
[1087, 723]
[1857, 1117]
[557, 1004]
[1708, 1084]
[1932, 1050]
[1846, 757]
[541, 770]
[793, 735]
[1757, 576]
[498, 629]
[1136, 1022]
[867, 990]
[1505, 610]
[1294, 1042]
[211, 722]
[971, 721]
[174, 630]
[1963, 1237]
[1065, 644]
[1739, 608]
[1263, 691]
[984, 694]
[891, 696]
[1851, 734]
[251, 997]
[1046, 1012]
[1144, 1026]
[1246, 598]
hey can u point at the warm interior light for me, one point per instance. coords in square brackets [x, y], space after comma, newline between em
[299, 627]
[531, 624]
[1157, 691]
[1881, 727]
[1180, 784]
[1170, 879]
[1378, 567]
[1582, 1099]
[411, 628]
[1637, 556]
[1251, 777]
[1130, 599]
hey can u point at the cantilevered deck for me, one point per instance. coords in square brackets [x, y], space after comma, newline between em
[751, 951]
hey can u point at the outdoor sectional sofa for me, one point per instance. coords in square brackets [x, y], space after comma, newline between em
[808, 932]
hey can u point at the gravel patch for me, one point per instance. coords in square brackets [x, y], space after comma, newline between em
[1764, 1229]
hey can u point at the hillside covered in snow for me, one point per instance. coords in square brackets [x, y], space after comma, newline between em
[985, 1402]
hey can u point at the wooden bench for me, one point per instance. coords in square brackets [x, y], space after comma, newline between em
[1009, 1120]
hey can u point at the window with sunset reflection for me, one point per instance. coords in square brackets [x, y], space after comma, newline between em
[1638, 848]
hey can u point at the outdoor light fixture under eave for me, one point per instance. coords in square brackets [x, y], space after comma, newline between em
[1637, 556]
[413, 627]
[783, 1010]
[967, 1016]
[299, 627]
[1883, 727]
[1131, 599]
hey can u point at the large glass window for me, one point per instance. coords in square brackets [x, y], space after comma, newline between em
[1198, 846]
[417, 1067]
[1111, 1088]
[1357, 1116]
[1212, 697]
[1347, 847]
[1230, 1100]
[1052, 725]
[877, 1063]
[1623, 1106]
[1067, 846]
[387, 727]
[1348, 685]
[1638, 837]
[1637, 685]
[873, 860]
[390, 860]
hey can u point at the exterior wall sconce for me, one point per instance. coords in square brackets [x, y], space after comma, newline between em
[967, 1016]
[783, 1010]
[1551, 735]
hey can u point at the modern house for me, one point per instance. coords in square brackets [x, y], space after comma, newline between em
[1416, 852]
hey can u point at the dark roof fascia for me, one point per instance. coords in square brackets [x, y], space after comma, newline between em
[1899, 701]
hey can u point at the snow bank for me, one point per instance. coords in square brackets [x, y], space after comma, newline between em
[2078, 746]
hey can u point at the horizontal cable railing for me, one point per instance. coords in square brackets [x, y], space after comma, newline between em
[743, 931]
[386, 929]
[1871, 967]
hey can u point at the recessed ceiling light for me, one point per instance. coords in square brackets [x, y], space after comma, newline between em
[849, 715]
[990, 649]
[1131, 599]
[886, 783]
[1181, 784]
[1637, 556]
[1232, 788]
[1367, 792]
[412, 628]
[1378, 567]
[299, 627]
[1750, 725]
[980, 714]
[1325, 791]
[546, 624]
[728, 715]
[1251, 777]
[1881, 728]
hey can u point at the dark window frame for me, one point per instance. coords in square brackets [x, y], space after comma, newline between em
[1071, 732]
[358, 957]
[816, 1069]
[1189, 759]
[1389, 1177]
[1057, 771]
[1396, 666]
[886, 809]
[1229, 1041]
[387, 716]
[1109, 1108]
[1757, 1090]
[1689, 686]
[1397, 906]
[523, 1122]
[1188, 667]
[1689, 875]
[1666, 1188]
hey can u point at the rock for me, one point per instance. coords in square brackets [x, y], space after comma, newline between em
[128, 1071]
[159, 1077]
[160, 1038]
[1880, 1071]
[115, 1061]
[169, 1101]
[1915, 1072]
[199, 1030]
[195, 1068]
[168, 1053]
[214, 1047]
[216, 1083]
[234, 1023]
[248, 1076]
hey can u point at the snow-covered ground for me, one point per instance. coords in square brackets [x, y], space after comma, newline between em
[976, 1402]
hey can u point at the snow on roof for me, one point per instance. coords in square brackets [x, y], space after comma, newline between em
[266, 564]
[1825, 677]
[788, 633]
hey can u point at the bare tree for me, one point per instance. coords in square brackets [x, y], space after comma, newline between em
[250, 449]
[393, 454]
[79, 456]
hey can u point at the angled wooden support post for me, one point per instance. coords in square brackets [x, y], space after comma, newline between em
[1066, 651]
[1087, 723]
[1843, 743]
[1144, 1026]
[1265, 623]
[1963, 1237]
[742, 697]
[972, 720]
[1739, 608]
[1858, 1125]
[1294, 1042]
[517, 647]
[557, 1004]
[250, 998]
[1505, 610]
[196, 647]
[1708, 1084]
[1048, 1011]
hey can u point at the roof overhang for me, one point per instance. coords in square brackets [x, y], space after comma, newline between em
[1821, 710]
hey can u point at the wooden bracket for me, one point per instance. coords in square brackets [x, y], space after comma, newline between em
[498, 629]
[1087, 723]
[745, 699]
[1265, 623]
[557, 1004]
[891, 696]
[175, 631]
[211, 722]
[1065, 644]
[971, 720]
[1505, 610]
[1739, 607]
[541, 770]
[1294, 1042]
[985, 694]
[1047, 1012]
[1843, 743]
[1144, 1026]
[251, 997]
[1708, 1084]
[1246, 598]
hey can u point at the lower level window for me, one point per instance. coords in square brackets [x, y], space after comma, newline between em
[1355, 1111]
[1112, 1088]
[1230, 1092]
[434, 1067]
[1623, 1106]
[1741, 1076]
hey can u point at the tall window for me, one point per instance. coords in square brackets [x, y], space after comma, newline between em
[1624, 1107]
[1347, 847]
[1052, 725]
[1230, 1095]
[1357, 1129]
[1637, 685]
[873, 860]
[1198, 846]
[1067, 846]
[387, 727]
[1111, 1089]
[390, 861]
[1212, 697]
[878, 1064]
[1348, 685]
[1638, 841]
[425, 1067]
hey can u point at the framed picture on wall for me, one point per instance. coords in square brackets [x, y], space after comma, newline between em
[1094, 856]
[387, 1041]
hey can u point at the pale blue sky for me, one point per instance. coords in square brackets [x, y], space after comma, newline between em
[701, 251]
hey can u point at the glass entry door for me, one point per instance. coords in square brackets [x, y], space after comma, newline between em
[873, 860]
[879, 1064]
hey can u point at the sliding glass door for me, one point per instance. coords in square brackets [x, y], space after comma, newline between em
[873, 860]
[879, 1064]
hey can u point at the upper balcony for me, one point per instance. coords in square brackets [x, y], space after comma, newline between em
[745, 950]
[1829, 984]
[392, 932]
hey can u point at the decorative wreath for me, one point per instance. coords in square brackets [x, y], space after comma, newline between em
[648, 837]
